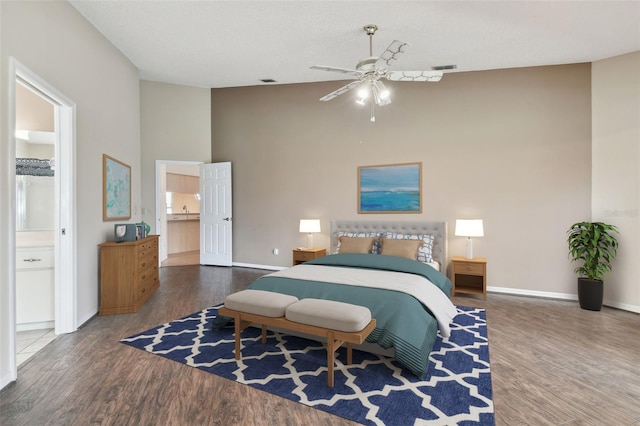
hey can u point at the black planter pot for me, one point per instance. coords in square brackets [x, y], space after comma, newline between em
[590, 294]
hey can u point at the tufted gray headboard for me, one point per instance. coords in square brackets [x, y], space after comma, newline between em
[438, 229]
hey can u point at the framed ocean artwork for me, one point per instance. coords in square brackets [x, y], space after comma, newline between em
[116, 192]
[390, 188]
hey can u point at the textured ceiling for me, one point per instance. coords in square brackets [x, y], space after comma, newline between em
[238, 43]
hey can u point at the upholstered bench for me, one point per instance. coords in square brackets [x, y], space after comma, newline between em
[338, 322]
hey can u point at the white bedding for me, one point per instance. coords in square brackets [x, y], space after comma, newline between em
[428, 294]
[435, 265]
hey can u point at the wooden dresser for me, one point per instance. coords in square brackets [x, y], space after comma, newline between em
[128, 275]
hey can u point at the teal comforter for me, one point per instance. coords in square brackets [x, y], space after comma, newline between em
[402, 322]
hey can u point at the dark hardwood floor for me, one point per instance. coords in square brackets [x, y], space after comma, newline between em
[551, 363]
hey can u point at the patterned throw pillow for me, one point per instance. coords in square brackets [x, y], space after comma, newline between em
[376, 242]
[425, 250]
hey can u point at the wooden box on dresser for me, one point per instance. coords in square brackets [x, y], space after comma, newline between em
[128, 275]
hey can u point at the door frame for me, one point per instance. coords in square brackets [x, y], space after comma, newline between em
[65, 276]
[160, 225]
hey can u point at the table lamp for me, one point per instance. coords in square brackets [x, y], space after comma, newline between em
[309, 226]
[469, 228]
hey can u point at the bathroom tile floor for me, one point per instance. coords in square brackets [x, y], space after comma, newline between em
[31, 341]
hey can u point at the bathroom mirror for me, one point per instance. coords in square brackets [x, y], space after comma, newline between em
[35, 186]
[35, 203]
[35, 151]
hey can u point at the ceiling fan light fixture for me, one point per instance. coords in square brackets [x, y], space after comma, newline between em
[363, 92]
[384, 94]
[384, 101]
[381, 94]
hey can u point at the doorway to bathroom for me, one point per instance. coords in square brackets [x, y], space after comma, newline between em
[43, 291]
[35, 224]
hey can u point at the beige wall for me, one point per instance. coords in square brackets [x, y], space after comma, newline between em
[616, 169]
[509, 146]
[33, 112]
[54, 41]
[175, 125]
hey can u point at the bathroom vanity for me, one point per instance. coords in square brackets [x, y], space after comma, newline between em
[35, 266]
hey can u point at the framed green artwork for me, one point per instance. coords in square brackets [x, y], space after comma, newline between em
[116, 192]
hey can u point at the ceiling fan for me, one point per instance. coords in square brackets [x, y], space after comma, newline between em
[370, 71]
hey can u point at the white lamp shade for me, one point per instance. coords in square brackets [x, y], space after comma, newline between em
[469, 228]
[309, 225]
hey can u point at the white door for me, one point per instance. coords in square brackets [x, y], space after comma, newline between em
[215, 214]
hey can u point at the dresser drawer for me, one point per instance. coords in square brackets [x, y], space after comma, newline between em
[147, 280]
[148, 260]
[147, 245]
[147, 251]
[469, 268]
[304, 256]
[34, 259]
[148, 273]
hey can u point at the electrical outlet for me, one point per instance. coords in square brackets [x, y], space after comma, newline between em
[276, 251]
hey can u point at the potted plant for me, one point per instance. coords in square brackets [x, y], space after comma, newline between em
[595, 244]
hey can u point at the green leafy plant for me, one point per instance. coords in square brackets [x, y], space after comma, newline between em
[595, 244]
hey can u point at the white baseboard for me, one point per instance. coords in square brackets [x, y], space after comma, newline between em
[534, 293]
[86, 317]
[254, 266]
[6, 380]
[42, 325]
[562, 296]
[623, 306]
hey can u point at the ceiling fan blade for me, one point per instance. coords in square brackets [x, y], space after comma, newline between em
[414, 75]
[390, 54]
[341, 90]
[333, 69]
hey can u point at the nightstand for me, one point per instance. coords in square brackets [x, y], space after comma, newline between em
[469, 275]
[302, 255]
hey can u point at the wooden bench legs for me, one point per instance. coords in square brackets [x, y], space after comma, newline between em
[333, 345]
[335, 338]
[239, 326]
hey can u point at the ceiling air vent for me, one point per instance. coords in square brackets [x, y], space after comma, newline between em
[444, 67]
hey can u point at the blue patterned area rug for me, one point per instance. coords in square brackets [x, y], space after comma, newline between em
[374, 390]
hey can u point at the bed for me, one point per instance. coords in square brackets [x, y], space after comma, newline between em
[409, 299]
